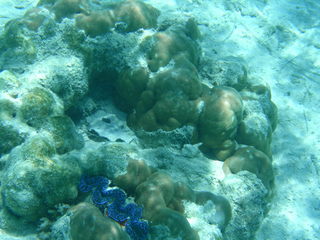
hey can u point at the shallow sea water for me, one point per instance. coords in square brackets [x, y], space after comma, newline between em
[278, 43]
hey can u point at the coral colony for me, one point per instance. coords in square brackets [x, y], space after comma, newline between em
[66, 60]
[112, 202]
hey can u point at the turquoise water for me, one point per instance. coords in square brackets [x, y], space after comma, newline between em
[153, 119]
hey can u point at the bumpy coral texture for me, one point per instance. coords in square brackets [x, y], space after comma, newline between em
[17, 49]
[252, 160]
[219, 120]
[169, 44]
[34, 18]
[10, 137]
[64, 133]
[132, 13]
[260, 118]
[96, 23]
[37, 106]
[36, 179]
[170, 101]
[162, 199]
[175, 97]
[136, 14]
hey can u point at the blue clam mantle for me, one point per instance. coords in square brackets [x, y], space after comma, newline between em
[113, 202]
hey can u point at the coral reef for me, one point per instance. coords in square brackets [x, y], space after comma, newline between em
[34, 18]
[8, 80]
[64, 61]
[64, 75]
[64, 134]
[16, 46]
[106, 159]
[228, 71]
[129, 86]
[168, 110]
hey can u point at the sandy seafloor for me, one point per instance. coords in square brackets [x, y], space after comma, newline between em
[280, 42]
